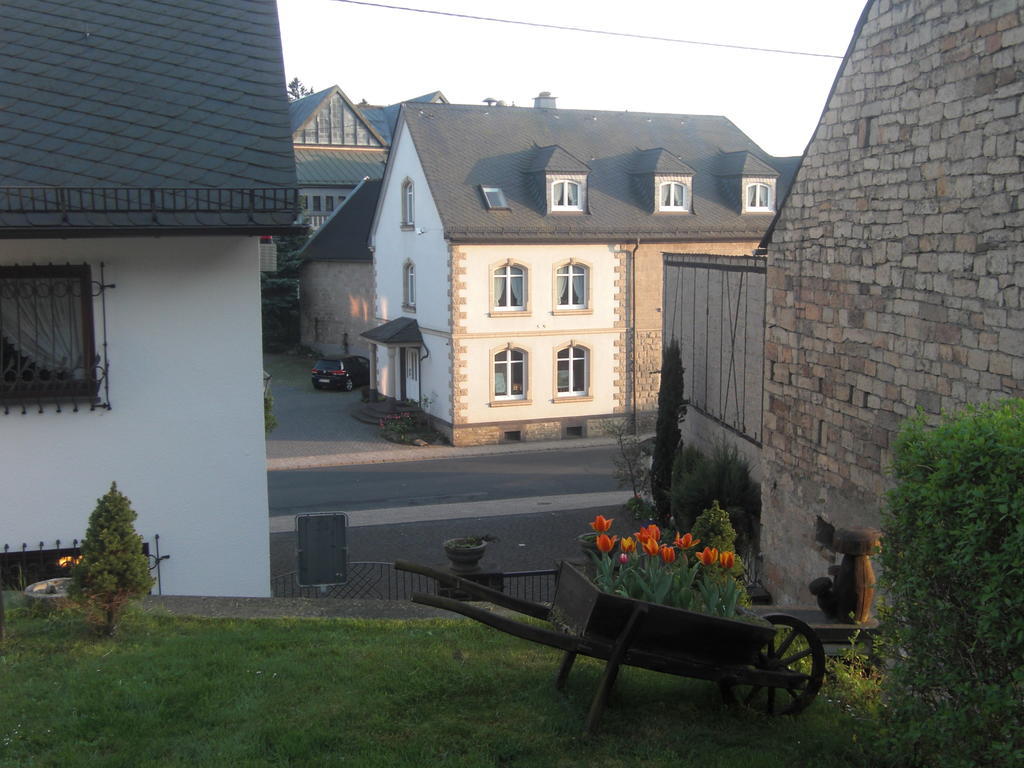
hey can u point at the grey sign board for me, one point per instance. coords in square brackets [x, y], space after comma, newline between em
[321, 548]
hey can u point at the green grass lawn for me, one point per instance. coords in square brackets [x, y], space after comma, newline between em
[171, 691]
[292, 370]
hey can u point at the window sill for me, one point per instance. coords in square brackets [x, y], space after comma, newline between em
[504, 403]
[582, 311]
[573, 399]
[509, 313]
[759, 210]
[409, 307]
[407, 227]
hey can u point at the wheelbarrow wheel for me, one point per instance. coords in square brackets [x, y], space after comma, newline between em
[795, 648]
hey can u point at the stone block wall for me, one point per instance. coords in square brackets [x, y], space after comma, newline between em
[896, 268]
[336, 306]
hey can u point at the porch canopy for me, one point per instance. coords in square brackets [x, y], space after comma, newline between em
[403, 332]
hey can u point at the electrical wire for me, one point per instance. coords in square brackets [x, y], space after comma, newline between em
[586, 30]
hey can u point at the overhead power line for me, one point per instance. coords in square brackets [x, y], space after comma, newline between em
[565, 28]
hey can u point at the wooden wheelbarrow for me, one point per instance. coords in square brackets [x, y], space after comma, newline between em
[774, 663]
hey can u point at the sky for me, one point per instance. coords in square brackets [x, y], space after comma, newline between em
[385, 56]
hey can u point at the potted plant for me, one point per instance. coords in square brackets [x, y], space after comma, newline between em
[465, 552]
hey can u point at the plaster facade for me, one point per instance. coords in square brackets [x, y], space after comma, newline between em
[183, 438]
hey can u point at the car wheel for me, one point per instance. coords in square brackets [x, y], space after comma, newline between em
[348, 385]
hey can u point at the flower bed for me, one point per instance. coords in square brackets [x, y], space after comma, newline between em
[665, 567]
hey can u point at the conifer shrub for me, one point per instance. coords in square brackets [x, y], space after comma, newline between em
[953, 580]
[724, 476]
[113, 568]
[667, 435]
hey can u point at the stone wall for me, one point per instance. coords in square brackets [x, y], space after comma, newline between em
[896, 267]
[336, 306]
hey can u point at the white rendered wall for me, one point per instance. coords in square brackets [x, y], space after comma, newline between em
[184, 439]
[425, 247]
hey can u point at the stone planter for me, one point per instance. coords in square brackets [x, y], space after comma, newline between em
[464, 554]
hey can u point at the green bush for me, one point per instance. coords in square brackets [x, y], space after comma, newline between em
[699, 480]
[113, 568]
[269, 419]
[953, 578]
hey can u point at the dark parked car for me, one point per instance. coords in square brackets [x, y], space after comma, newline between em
[343, 373]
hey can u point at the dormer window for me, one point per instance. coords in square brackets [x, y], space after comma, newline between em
[673, 196]
[408, 204]
[758, 196]
[565, 196]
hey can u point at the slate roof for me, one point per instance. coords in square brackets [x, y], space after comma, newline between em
[300, 110]
[331, 167]
[143, 95]
[462, 147]
[385, 118]
[344, 236]
[403, 330]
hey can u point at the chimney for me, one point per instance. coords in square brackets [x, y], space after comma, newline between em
[544, 100]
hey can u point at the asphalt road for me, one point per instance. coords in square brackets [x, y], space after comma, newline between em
[442, 481]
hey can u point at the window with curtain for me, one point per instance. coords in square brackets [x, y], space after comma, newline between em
[510, 288]
[510, 375]
[571, 286]
[47, 346]
[673, 196]
[409, 285]
[565, 195]
[572, 374]
[759, 197]
[408, 203]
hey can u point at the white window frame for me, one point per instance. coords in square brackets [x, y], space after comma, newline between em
[559, 192]
[572, 353]
[409, 285]
[507, 367]
[504, 274]
[674, 204]
[754, 188]
[569, 271]
[408, 203]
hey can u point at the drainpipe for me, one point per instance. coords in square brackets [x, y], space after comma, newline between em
[632, 320]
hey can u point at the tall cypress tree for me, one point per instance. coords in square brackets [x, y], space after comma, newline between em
[667, 437]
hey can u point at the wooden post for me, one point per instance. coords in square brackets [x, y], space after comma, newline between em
[611, 669]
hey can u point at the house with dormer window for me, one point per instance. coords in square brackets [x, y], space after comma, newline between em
[533, 241]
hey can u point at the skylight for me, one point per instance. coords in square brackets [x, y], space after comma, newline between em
[494, 198]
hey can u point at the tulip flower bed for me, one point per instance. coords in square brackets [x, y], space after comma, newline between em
[666, 568]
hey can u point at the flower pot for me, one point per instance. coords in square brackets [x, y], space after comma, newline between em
[465, 554]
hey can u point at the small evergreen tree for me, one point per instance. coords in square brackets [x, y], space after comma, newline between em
[280, 294]
[671, 411]
[113, 568]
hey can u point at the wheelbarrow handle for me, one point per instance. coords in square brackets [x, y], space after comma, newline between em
[476, 591]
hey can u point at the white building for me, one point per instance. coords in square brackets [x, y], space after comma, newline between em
[147, 154]
[518, 257]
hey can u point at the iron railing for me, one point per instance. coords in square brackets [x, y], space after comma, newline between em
[380, 581]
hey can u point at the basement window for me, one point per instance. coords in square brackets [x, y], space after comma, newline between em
[494, 197]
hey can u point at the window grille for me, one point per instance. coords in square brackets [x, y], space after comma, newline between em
[48, 344]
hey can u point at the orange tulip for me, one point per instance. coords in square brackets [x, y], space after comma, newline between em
[708, 556]
[651, 546]
[628, 544]
[668, 555]
[726, 560]
[649, 532]
[601, 524]
[686, 541]
[606, 543]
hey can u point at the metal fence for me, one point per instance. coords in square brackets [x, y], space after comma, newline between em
[380, 581]
[714, 307]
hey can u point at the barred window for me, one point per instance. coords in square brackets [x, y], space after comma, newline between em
[47, 347]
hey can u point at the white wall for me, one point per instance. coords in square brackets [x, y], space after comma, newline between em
[184, 439]
[423, 245]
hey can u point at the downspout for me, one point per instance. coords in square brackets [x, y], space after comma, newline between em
[632, 320]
